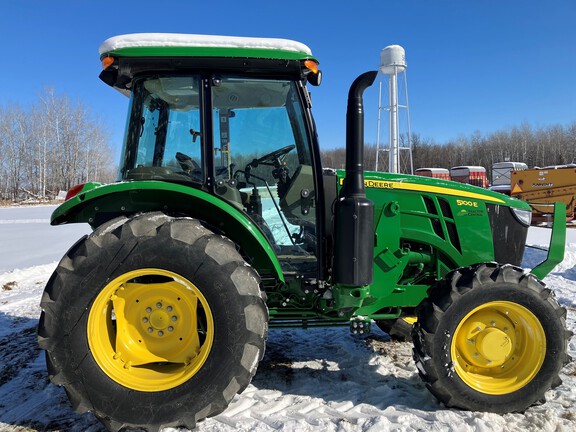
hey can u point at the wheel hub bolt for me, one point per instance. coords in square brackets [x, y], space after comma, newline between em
[158, 319]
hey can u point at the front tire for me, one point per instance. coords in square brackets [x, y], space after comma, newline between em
[490, 338]
[153, 322]
[399, 329]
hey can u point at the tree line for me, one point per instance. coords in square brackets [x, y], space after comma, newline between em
[57, 143]
[49, 147]
[536, 147]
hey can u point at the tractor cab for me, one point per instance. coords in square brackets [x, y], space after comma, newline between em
[240, 130]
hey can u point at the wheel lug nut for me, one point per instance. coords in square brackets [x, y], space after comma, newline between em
[148, 309]
[169, 308]
[145, 319]
[150, 329]
[174, 318]
[170, 328]
[160, 333]
[159, 305]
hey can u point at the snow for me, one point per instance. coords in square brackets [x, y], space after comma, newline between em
[26, 238]
[309, 380]
[138, 40]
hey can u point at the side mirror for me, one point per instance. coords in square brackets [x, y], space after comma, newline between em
[315, 78]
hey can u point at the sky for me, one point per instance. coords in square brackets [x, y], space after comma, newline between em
[472, 65]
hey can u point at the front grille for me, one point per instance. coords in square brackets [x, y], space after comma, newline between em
[450, 225]
[508, 235]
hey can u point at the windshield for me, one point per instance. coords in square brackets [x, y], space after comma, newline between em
[164, 140]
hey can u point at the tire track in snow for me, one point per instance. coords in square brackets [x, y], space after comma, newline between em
[16, 351]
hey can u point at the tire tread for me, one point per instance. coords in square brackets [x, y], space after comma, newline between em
[116, 241]
[441, 298]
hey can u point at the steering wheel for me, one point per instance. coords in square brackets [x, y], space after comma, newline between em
[272, 157]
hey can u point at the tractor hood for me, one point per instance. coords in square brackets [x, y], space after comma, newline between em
[419, 184]
[463, 207]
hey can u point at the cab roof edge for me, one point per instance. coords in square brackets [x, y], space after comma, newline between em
[141, 40]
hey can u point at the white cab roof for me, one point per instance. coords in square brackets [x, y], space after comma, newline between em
[139, 40]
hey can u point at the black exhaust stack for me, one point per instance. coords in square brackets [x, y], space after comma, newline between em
[354, 213]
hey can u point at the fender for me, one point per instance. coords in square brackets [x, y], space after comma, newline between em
[557, 243]
[97, 203]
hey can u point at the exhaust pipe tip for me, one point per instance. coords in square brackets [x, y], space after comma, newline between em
[354, 183]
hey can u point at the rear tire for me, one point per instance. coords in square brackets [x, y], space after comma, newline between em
[490, 338]
[153, 322]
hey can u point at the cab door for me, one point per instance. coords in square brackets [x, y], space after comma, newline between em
[263, 164]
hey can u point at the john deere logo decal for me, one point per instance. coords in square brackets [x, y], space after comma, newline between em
[383, 184]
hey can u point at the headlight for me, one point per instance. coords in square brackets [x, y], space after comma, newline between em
[522, 216]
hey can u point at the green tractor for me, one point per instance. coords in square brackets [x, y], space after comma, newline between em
[224, 223]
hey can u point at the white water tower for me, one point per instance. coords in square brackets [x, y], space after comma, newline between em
[393, 65]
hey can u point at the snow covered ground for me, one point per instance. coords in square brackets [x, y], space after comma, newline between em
[309, 380]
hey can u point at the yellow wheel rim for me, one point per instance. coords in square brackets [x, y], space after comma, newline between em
[150, 330]
[498, 347]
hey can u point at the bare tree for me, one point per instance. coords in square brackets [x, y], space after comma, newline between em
[51, 146]
[77, 149]
[14, 137]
